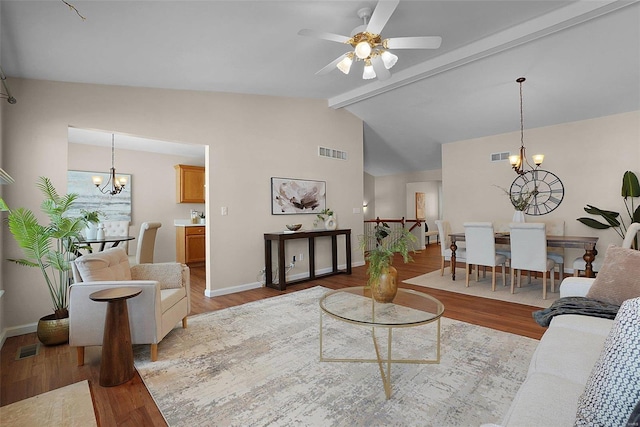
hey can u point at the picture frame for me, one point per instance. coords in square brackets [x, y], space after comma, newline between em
[421, 210]
[113, 208]
[291, 196]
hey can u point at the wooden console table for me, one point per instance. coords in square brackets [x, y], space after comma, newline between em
[281, 237]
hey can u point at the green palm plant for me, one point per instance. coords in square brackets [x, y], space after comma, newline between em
[388, 242]
[611, 219]
[51, 247]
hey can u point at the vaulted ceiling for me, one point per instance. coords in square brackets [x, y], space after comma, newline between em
[581, 60]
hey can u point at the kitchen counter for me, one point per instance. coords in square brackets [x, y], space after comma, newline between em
[186, 223]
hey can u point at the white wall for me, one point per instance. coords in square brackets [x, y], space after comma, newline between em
[369, 196]
[153, 192]
[250, 138]
[589, 156]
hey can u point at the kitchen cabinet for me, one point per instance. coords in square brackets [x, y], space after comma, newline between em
[190, 244]
[189, 184]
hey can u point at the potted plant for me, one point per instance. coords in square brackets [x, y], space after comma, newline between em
[519, 202]
[323, 217]
[50, 248]
[382, 275]
[630, 190]
[92, 219]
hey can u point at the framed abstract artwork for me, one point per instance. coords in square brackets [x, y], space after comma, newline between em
[114, 208]
[297, 196]
[421, 211]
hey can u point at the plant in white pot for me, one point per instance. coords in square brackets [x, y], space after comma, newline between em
[50, 248]
[92, 219]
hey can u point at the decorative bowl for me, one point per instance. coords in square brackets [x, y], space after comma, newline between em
[294, 227]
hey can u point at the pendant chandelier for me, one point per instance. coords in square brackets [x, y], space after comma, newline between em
[117, 184]
[518, 161]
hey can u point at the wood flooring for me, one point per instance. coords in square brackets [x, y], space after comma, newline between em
[130, 404]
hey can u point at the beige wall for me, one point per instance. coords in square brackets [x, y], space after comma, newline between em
[250, 139]
[589, 156]
[153, 196]
[391, 192]
[369, 196]
[3, 215]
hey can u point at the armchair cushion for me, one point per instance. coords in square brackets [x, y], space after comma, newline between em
[169, 274]
[108, 265]
[619, 278]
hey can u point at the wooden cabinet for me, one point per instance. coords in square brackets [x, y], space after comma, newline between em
[189, 184]
[190, 245]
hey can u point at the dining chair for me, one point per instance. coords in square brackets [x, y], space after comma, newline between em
[444, 230]
[556, 228]
[481, 251]
[117, 228]
[529, 253]
[146, 243]
[579, 263]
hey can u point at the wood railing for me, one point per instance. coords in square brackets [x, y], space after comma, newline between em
[370, 224]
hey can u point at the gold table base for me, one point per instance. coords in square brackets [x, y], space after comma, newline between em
[386, 376]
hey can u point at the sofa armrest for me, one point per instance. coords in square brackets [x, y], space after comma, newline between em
[171, 275]
[575, 286]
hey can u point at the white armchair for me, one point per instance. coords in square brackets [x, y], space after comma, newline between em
[164, 301]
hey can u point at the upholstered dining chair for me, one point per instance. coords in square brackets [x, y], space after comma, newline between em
[556, 228]
[146, 243]
[117, 228]
[579, 263]
[164, 301]
[480, 246]
[444, 230]
[529, 253]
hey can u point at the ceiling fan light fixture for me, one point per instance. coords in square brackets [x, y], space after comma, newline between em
[388, 59]
[363, 50]
[345, 64]
[369, 72]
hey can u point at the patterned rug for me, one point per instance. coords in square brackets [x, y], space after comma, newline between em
[529, 294]
[258, 364]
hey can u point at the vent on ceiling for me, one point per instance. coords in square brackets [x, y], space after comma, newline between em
[331, 153]
[27, 351]
[499, 157]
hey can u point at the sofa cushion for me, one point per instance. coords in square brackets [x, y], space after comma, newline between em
[613, 388]
[109, 265]
[573, 362]
[593, 325]
[619, 277]
[544, 400]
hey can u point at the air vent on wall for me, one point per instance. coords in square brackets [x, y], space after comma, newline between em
[331, 153]
[499, 157]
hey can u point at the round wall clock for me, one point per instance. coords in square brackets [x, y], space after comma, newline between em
[543, 188]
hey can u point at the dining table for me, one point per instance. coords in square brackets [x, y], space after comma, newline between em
[588, 243]
[103, 242]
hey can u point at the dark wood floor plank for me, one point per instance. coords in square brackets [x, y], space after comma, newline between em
[130, 404]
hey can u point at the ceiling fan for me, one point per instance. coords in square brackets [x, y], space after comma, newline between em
[369, 46]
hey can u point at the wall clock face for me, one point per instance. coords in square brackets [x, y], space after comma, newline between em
[544, 189]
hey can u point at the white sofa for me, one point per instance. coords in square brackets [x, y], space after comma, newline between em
[561, 366]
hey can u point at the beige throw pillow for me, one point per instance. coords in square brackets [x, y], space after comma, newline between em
[619, 278]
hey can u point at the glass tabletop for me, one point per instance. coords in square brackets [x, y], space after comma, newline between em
[409, 307]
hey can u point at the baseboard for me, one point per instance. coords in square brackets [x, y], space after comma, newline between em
[255, 285]
[14, 331]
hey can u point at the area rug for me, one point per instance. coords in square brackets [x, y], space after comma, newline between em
[529, 294]
[258, 364]
[65, 406]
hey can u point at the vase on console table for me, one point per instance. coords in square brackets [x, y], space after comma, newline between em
[331, 223]
[518, 216]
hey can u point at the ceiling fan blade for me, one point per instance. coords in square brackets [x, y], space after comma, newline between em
[414, 42]
[325, 36]
[330, 66]
[381, 15]
[378, 66]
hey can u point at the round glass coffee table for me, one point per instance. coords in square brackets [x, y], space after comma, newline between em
[408, 309]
